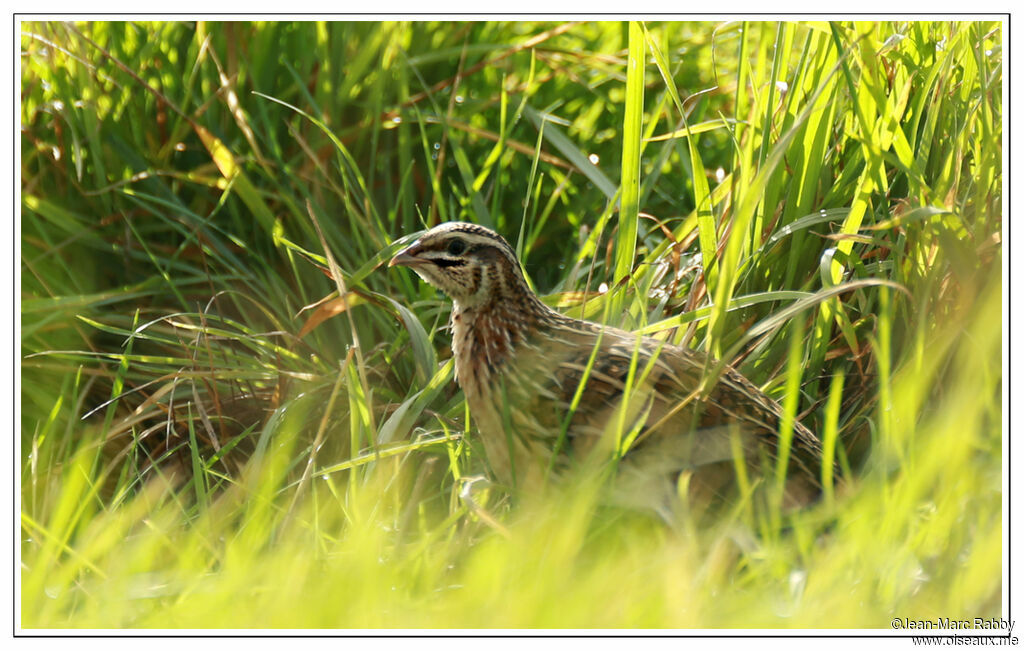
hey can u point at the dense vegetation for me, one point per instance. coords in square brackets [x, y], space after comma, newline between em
[218, 431]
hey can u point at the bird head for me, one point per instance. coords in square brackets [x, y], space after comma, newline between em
[472, 264]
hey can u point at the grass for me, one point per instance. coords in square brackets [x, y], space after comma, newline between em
[233, 415]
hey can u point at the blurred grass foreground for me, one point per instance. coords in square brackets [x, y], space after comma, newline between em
[219, 431]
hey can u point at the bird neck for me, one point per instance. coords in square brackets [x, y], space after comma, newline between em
[485, 334]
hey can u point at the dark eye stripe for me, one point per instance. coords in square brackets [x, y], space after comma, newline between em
[447, 262]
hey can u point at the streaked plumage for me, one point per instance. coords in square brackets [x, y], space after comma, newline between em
[519, 363]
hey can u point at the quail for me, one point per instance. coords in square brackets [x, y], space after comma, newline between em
[521, 365]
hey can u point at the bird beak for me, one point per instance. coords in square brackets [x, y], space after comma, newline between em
[407, 257]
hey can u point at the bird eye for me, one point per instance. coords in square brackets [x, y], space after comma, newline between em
[456, 247]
